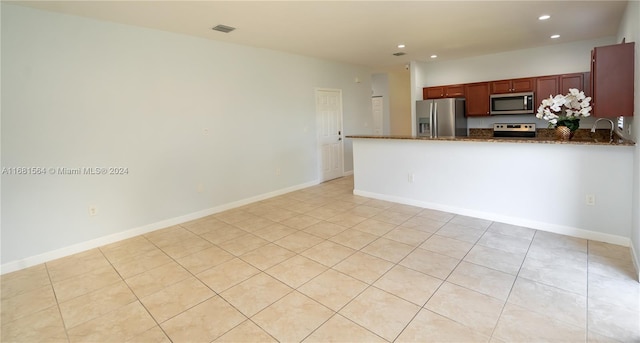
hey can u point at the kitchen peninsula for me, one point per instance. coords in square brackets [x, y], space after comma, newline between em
[540, 140]
[537, 183]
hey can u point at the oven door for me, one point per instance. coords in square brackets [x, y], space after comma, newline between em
[513, 103]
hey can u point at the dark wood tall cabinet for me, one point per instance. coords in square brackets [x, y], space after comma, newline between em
[612, 73]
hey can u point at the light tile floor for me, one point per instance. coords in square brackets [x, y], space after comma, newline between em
[320, 265]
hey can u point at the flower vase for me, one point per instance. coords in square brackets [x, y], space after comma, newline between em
[563, 133]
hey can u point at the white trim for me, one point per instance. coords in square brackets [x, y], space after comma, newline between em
[98, 242]
[560, 229]
[347, 173]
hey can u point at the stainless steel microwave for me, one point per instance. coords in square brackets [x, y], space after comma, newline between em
[512, 103]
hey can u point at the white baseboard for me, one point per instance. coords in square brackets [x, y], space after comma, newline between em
[348, 173]
[101, 241]
[555, 228]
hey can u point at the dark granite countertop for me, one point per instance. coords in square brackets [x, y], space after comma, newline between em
[543, 136]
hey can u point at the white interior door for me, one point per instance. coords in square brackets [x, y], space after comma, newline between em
[329, 120]
[376, 105]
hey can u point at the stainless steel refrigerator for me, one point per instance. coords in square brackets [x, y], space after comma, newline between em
[441, 118]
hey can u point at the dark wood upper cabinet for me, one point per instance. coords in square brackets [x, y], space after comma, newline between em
[438, 92]
[477, 99]
[513, 86]
[477, 94]
[546, 86]
[432, 92]
[612, 73]
[568, 81]
[553, 85]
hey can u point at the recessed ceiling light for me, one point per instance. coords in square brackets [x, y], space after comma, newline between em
[400, 46]
[555, 36]
[544, 17]
[434, 56]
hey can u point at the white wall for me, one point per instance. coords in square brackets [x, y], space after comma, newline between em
[541, 186]
[630, 30]
[548, 60]
[84, 93]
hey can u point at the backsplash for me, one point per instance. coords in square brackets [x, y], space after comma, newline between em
[487, 122]
[581, 134]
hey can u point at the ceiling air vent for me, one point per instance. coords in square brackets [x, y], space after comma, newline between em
[223, 28]
[399, 54]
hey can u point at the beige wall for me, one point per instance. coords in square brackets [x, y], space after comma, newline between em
[400, 102]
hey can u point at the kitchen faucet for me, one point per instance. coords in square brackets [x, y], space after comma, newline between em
[593, 128]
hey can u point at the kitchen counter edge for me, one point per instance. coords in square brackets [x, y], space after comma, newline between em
[616, 142]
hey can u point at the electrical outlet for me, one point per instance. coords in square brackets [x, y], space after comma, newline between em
[200, 188]
[590, 200]
[205, 131]
[411, 177]
[93, 211]
[277, 171]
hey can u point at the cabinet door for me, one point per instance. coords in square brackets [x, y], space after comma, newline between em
[477, 99]
[568, 81]
[586, 76]
[502, 86]
[546, 86]
[612, 74]
[432, 92]
[454, 91]
[523, 85]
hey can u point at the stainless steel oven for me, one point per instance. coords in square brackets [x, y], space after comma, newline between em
[527, 130]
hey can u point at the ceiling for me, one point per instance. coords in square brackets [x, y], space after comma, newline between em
[366, 32]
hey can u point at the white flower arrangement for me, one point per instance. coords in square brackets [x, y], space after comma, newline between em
[576, 105]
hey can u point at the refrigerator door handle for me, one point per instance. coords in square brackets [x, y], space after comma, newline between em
[434, 123]
[431, 120]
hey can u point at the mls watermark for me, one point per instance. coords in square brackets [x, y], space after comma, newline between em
[65, 171]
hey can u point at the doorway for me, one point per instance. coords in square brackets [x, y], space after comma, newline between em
[378, 112]
[329, 124]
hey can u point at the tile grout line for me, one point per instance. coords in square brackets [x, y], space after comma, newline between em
[445, 280]
[506, 301]
[55, 295]
[368, 284]
[134, 293]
